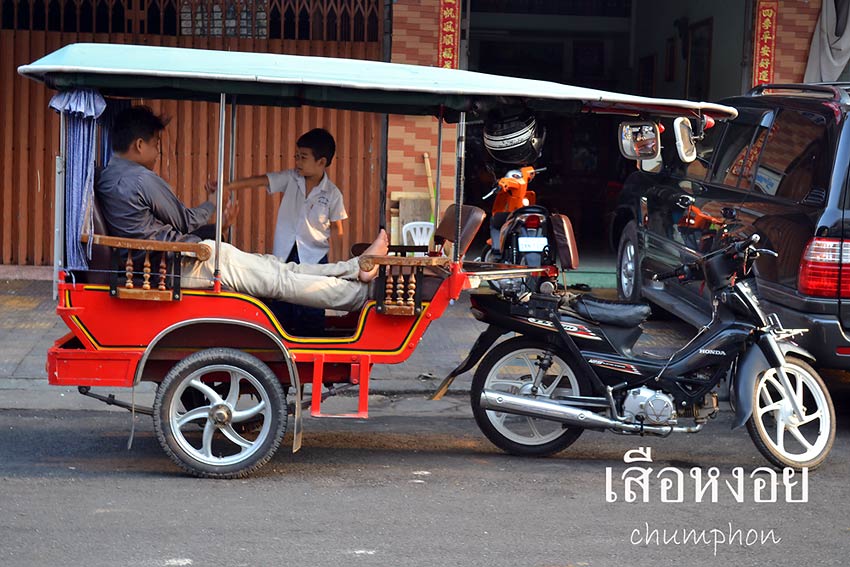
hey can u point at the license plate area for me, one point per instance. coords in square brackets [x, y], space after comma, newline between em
[532, 243]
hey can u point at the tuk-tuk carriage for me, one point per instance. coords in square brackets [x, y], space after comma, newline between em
[224, 365]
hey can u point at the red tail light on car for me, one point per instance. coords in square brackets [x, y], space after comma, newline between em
[821, 273]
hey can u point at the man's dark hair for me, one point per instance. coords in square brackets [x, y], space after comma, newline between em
[133, 123]
[320, 142]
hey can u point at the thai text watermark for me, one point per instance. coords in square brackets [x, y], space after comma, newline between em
[671, 484]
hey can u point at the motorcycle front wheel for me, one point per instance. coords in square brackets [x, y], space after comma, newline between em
[784, 438]
[511, 367]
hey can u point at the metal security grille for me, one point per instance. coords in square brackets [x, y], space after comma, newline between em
[325, 20]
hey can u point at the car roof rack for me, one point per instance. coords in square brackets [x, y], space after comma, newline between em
[836, 91]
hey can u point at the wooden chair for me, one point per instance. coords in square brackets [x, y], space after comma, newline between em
[404, 282]
[114, 258]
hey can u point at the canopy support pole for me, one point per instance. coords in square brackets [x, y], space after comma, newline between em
[438, 183]
[231, 175]
[460, 181]
[59, 209]
[219, 194]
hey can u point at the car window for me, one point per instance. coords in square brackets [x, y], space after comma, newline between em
[700, 167]
[788, 162]
[737, 153]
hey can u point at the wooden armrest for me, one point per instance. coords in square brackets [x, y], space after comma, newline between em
[369, 262]
[201, 251]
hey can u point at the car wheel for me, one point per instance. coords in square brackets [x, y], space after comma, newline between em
[628, 265]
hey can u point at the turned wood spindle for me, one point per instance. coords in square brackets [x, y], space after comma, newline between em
[163, 273]
[399, 288]
[411, 287]
[146, 271]
[128, 267]
[388, 296]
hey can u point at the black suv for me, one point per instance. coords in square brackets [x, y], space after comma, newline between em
[781, 170]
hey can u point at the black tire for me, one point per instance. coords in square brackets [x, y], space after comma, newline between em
[628, 265]
[493, 426]
[763, 425]
[223, 451]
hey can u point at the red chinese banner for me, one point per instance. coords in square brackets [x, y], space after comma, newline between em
[448, 40]
[764, 40]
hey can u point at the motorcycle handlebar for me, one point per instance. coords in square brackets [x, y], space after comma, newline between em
[683, 272]
[746, 243]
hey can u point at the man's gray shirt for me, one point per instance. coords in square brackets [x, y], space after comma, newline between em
[138, 203]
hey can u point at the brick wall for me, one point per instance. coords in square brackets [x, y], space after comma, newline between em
[795, 26]
[415, 25]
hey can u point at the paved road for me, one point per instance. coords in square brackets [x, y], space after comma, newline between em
[397, 490]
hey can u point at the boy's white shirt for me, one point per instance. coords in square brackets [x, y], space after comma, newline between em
[302, 219]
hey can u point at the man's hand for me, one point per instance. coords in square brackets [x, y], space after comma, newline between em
[231, 211]
[211, 187]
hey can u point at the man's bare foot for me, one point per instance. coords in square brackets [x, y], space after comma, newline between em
[379, 247]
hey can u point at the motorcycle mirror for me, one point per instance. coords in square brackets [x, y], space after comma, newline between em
[684, 139]
[640, 140]
[491, 193]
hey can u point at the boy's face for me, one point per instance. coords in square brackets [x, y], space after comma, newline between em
[307, 165]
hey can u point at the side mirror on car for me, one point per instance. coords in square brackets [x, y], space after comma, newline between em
[640, 140]
[684, 139]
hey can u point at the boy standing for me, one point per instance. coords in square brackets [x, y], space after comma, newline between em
[311, 210]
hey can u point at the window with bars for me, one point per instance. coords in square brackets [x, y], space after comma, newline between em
[323, 20]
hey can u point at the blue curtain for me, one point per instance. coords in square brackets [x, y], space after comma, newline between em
[81, 108]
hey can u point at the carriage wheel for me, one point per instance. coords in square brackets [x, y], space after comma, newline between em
[228, 389]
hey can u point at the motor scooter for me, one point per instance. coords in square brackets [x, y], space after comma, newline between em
[572, 366]
[519, 228]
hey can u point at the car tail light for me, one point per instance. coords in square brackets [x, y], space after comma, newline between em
[532, 221]
[821, 273]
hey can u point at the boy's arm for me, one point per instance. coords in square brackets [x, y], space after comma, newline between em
[248, 182]
[336, 229]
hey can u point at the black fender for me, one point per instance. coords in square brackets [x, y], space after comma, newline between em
[485, 340]
[750, 365]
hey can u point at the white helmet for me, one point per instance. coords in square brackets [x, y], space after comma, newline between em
[514, 137]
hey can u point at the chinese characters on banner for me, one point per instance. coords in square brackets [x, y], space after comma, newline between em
[448, 42]
[764, 37]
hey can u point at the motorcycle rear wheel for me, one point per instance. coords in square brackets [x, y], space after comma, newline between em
[784, 439]
[511, 367]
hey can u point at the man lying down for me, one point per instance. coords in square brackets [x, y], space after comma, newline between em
[137, 203]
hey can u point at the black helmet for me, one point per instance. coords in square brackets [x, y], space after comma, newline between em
[513, 137]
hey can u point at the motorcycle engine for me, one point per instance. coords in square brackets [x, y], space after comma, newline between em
[649, 406]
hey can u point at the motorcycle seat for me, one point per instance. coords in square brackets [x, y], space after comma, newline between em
[530, 209]
[618, 313]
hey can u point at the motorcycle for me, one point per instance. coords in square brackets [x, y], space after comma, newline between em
[572, 367]
[519, 228]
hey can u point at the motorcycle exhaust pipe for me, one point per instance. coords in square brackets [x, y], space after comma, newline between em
[554, 411]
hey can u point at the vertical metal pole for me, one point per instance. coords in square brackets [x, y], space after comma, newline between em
[231, 175]
[219, 196]
[59, 209]
[439, 169]
[386, 55]
[461, 162]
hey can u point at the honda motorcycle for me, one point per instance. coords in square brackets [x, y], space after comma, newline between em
[572, 367]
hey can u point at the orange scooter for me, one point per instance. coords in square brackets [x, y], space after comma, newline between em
[518, 226]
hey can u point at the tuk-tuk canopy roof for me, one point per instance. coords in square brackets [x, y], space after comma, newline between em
[139, 71]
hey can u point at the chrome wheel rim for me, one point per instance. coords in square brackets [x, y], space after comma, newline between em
[514, 373]
[796, 438]
[627, 269]
[219, 443]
